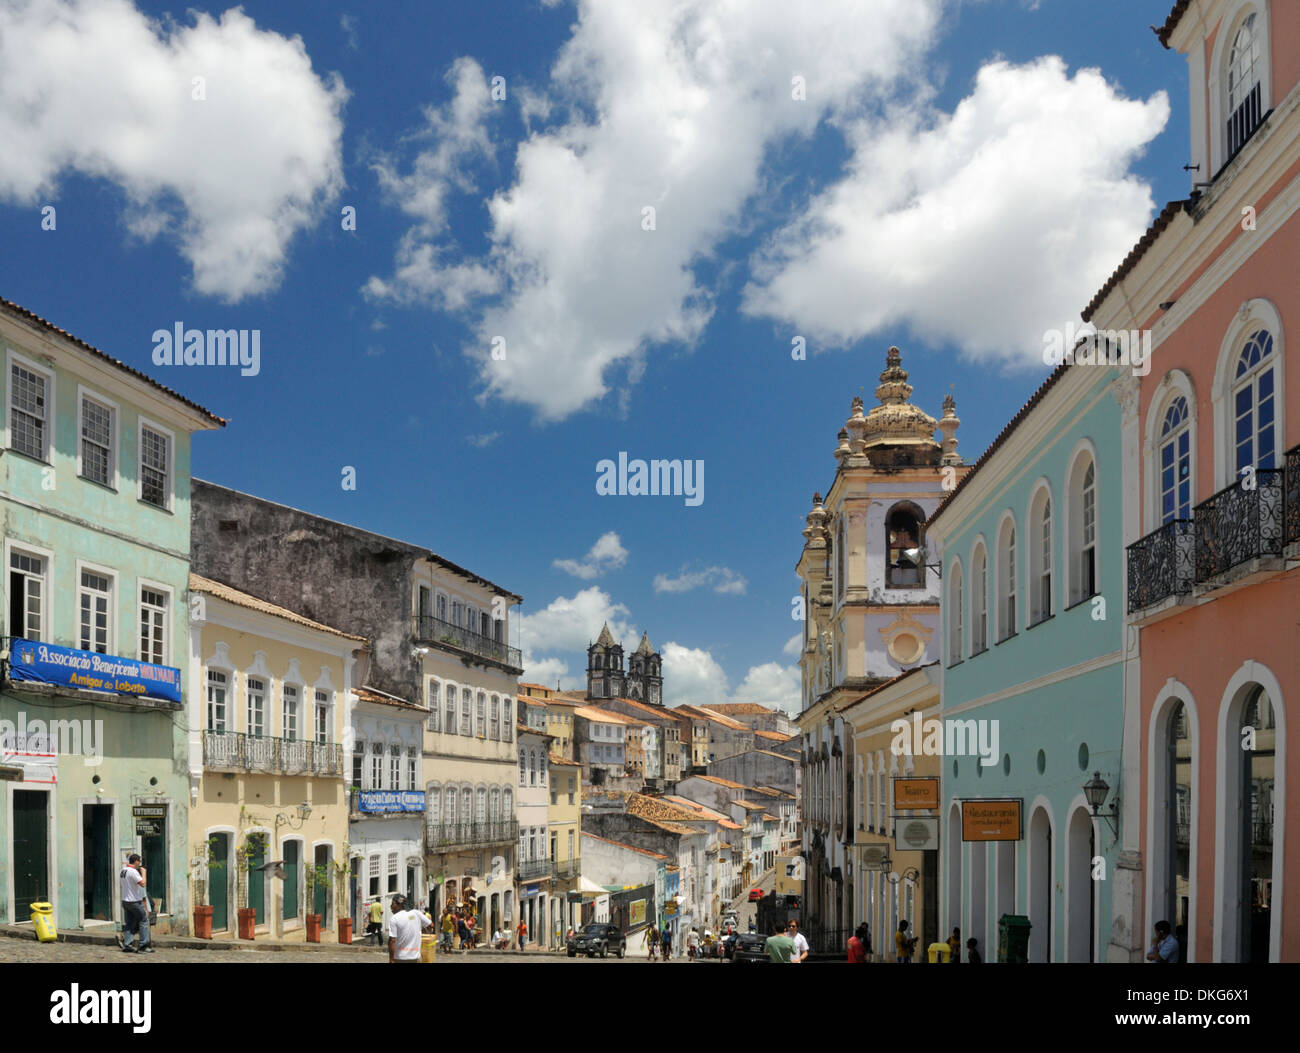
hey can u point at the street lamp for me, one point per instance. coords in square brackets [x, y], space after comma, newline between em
[1095, 791]
[303, 812]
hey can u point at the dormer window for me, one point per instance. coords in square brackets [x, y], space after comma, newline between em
[1245, 103]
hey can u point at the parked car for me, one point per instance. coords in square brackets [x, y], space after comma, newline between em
[755, 894]
[598, 939]
[750, 947]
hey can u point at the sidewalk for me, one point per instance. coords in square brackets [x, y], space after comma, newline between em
[107, 937]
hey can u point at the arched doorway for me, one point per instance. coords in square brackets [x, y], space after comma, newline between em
[1173, 837]
[1041, 871]
[1005, 901]
[1080, 901]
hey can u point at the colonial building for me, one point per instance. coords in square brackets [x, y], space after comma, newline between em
[94, 512]
[269, 704]
[438, 633]
[564, 822]
[757, 718]
[535, 868]
[1212, 508]
[870, 596]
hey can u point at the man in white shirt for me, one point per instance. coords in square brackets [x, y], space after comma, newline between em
[135, 909]
[800, 943]
[404, 928]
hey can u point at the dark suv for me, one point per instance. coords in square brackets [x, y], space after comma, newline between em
[749, 947]
[598, 939]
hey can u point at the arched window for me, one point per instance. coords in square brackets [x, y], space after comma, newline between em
[979, 602]
[1253, 405]
[904, 527]
[494, 804]
[955, 614]
[532, 767]
[1083, 529]
[433, 803]
[1006, 579]
[449, 806]
[434, 702]
[1174, 874]
[1040, 556]
[496, 717]
[507, 804]
[480, 810]
[480, 723]
[1175, 461]
[466, 805]
[1244, 97]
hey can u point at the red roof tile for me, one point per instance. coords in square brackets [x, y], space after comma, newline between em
[1171, 23]
[630, 848]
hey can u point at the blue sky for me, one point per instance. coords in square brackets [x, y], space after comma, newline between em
[946, 176]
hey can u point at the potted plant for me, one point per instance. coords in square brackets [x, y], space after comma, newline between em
[247, 915]
[203, 866]
[318, 875]
[341, 895]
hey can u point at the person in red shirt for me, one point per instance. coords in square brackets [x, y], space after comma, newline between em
[860, 944]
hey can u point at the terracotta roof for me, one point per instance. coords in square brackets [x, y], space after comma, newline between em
[645, 807]
[530, 700]
[31, 316]
[772, 791]
[747, 709]
[749, 806]
[527, 683]
[655, 713]
[888, 683]
[723, 719]
[602, 716]
[253, 603]
[721, 782]
[673, 867]
[774, 735]
[383, 698]
[557, 700]
[630, 848]
[558, 761]
[1171, 23]
[707, 813]
[1136, 253]
[782, 756]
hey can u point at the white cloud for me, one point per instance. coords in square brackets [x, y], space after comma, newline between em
[606, 554]
[793, 646]
[486, 439]
[549, 671]
[983, 228]
[664, 104]
[719, 579]
[572, 623]
[692, 676]
[95, 87]
[772, 684]
[348, 23]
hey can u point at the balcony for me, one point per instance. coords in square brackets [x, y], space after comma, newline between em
[429, 629]
[568, 868]
[236, 751]
[441, 837]
[1237, 527]
[534, 869]
[1293, 496]
[1162, 565]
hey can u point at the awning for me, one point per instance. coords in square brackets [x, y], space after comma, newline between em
[587, 886]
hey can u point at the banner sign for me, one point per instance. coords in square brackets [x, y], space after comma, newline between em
[40, 663]
[916, 793]
[636, 913]
[991, 820]
[373, 801]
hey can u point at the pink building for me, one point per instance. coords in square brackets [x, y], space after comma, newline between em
[1212, 508]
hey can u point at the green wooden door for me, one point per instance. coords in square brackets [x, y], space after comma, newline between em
[31, 852]
[153, 849]
[292, 870]
[97, 861]
[218, 876]
[257, 878]
[320, 899]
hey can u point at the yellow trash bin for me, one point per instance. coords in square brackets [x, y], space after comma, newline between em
[938, 953]
[43, 922]
[428, 948]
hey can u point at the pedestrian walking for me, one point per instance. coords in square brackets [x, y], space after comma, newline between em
[692, 944]
[858, 945]
[462, 930]
[779, 946]
[972, 952]
[521, 934]
[904, 945]
[448, 929]
[651, 940]
[667, 941]
[800, 942]
[135, 906]
[375, 926]
[954, 946]
[404, 929]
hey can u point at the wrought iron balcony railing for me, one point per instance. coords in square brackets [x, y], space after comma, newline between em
[237, 751]
[1162, 564]
[1293, 495]
[568, 868]
[1238, 524]
[440, 836]
[535, 868]
[429, 629]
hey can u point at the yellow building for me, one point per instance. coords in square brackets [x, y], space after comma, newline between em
[895, 853]
[564, 817]
[269, 704]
